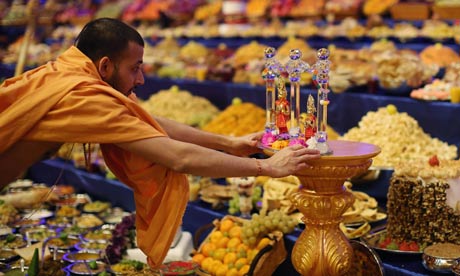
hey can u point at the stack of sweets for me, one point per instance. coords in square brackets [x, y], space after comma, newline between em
[424, 202]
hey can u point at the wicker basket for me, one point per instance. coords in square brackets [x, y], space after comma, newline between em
[265, 262]
[410, 11]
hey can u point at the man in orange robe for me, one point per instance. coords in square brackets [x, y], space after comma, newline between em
[87, 96]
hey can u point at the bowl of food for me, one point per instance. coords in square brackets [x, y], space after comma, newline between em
[81, 256]
[38, 233]
[96, 207]
[128, 267]
[61, 242]
[12, 241]
[87, 221]
[57, 222]
[441, 257]
[73, 200]
[182, 268]
[97, 235]
[93, 246]
[8, 255]
[87, 268]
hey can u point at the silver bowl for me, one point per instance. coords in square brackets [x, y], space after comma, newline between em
[439, 263]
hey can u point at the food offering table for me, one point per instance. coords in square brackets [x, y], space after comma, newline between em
[199, 213]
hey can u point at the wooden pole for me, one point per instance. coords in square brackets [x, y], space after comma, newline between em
[31, 13]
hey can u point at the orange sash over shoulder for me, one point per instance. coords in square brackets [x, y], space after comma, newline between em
[67, 101]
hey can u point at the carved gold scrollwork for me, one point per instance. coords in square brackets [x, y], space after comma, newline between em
[322, 248]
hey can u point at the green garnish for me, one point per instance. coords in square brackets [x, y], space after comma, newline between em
[64, 238]
[92, 265]
[10, 238]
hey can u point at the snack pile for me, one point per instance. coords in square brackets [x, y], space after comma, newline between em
[181, 106]
[240, 118]
[399, 136]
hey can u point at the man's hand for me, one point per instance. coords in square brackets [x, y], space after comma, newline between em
[245, 145]
[289, 160]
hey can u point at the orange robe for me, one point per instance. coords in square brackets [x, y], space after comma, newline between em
[67, 101]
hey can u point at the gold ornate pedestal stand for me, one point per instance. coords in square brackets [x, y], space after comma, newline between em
[322, 248]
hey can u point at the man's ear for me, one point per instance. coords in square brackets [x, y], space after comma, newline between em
[105, 68]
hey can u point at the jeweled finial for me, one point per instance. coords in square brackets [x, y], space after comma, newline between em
[323, 53]
[269, 52]
[295, 54]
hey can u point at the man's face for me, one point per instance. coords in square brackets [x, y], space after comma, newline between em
[128, 73]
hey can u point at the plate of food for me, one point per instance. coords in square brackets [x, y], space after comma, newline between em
[25, 223]
[62, 242]
[88, 221]
[12, 241]
[87, 268]
[97, 235]
[72, 200]
[96, 206]
[93, 246]
[380, 240]
[8, 255]
[67, 211]
[115, 216]
[81, 256]
[38, 233]
[59, 222]
[128, 267]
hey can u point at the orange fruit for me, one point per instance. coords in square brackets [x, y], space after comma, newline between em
[198, 258]
[235, 232]
[214, 266]
[221, 270]
[244, 270]
[208, 248]
[233, 244]
[230, 258]
[240, 263]
[207, 263]
[222, 243]
[226, 224]
[232, 272]
[219, 254]
[215, 236]
[242, 247]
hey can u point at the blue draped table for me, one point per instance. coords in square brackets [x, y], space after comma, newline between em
[199, 213]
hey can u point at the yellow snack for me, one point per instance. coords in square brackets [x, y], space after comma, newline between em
[237, 120]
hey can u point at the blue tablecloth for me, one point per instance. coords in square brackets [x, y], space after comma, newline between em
[199, 213]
